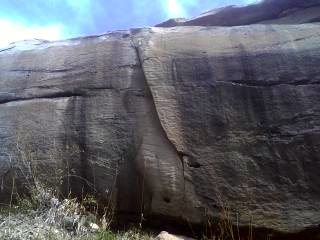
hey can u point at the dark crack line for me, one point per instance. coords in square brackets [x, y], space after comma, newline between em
[49, 96]
[257, 84]
[7, 49]
[43, 70]
[99, 88]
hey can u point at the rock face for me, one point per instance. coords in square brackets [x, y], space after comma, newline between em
[241, 107]
[178, 122]
[266, 12]
[167, 236]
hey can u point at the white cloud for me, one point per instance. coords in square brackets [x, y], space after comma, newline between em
[84, 11]
[174, 9]
[179, 8]
[80, 6]
[14, 31]
[183, 8]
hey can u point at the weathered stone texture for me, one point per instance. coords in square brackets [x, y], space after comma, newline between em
[176, 122]
[241, 106]
[265, 11]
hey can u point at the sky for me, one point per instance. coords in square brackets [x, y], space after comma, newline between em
[62, 19]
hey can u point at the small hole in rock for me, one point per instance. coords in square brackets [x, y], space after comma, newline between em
[166, 199]
[194, 164]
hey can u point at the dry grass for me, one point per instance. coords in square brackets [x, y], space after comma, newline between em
[46, 217]
[224, 227]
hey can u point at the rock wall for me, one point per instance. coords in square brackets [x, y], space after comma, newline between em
[241, 106]
[266, 12]
[178, 122]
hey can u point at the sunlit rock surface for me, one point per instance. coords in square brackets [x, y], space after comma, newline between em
[266, 12]
[179, 122]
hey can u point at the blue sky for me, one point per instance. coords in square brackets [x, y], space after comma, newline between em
[61, 19]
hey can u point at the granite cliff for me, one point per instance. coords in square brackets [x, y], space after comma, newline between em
[172, 122]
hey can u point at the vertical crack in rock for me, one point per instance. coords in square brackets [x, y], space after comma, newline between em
[84, 166]
[170, 148]
[79, 179]
[140, 60]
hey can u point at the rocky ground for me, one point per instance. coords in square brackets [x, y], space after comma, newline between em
[55, 222]
[45, 217]
[41, 225]
[31, 225]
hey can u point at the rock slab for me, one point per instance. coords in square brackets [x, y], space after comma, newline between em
[181, 122]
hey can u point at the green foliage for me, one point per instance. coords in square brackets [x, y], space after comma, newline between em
[105, 235]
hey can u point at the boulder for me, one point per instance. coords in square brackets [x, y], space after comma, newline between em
[184, 123]
[167, 236]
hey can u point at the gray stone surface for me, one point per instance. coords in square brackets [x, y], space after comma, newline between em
[266, 12]
[167, 236]
[241, 107]
[179, 122]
